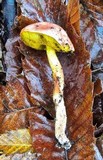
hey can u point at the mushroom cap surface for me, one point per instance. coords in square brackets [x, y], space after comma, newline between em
[42, 34]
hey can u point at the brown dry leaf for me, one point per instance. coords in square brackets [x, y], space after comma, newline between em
[15, 141]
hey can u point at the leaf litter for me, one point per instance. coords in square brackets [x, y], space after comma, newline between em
[30, 69]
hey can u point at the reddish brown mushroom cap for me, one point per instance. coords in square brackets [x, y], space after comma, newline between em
[42, 34]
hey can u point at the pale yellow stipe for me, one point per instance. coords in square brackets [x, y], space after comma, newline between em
[58, 99]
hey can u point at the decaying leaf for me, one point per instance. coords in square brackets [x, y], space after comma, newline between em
[38, 77]
[92, 32]
[15, 105]
[98, 87]
[32, 78]
[23, 156]
[73, 14]
[43, 138]
[17, 120]
[34, 11]
[15, 141]
[14, 96]
[12, 58]
[79, 104]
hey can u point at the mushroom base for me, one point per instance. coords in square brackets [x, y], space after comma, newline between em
[60, 123]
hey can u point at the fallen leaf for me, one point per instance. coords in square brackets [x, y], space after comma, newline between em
[73, 14]
[92, 31]
[43, 138]
[98, 87]
[78, 93]
[15, 104]
[12, 58]
[34, 82]
[15, 120]
[23, 156]
[34, 11]
[15, 141]
[38, 77]
[14, 96]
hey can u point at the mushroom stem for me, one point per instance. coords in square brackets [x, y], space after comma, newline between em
[61, 117]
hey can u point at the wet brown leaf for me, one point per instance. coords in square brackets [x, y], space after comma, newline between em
[34, 11]
[92, 32]
[15, 104]
[14, 96]
[73, 14]
[15, 120]
[33, 75]
[43, 138]
[38, 77]
[98, 87]
[12, 58]
[78, 91]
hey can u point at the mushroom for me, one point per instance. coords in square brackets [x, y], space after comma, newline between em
[52, 38]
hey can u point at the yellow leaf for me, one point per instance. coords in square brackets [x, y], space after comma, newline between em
[15, 141]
